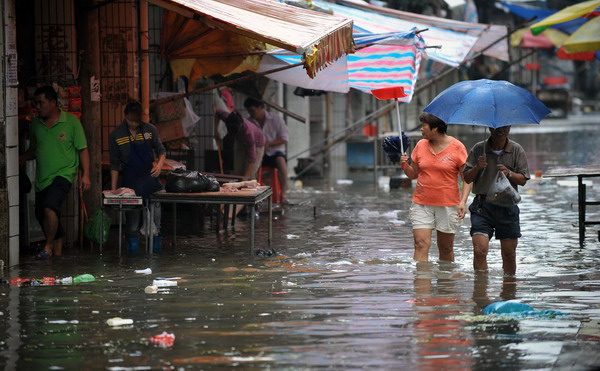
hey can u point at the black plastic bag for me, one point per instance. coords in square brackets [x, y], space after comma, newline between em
[391, 146]
[502, 193]
[181, 181]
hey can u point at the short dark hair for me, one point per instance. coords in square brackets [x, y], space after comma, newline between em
[252, 102]
[133, 107]
[48, 92]
[234, 119]
[433, 122]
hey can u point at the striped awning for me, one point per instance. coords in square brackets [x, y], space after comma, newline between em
[320, 38]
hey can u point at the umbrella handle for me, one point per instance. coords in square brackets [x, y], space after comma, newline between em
[400, 132]
[399, 127]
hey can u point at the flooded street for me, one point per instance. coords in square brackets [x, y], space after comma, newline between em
[343, 292]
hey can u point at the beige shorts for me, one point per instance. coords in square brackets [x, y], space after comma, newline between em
[441, 218]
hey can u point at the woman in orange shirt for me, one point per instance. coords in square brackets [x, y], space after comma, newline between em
[437, 163]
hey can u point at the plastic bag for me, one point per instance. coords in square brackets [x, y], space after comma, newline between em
[501, 193]
[181, 181]
[97, 228]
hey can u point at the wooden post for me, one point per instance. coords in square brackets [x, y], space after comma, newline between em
[89, 43]
[144, 62]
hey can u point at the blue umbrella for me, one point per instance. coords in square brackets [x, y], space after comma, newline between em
[487, 103]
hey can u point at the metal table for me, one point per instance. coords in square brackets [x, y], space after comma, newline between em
[580, 172]
[247, 197]
[121, 204]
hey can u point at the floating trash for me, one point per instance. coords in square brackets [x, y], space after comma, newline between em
[165, 339]
[118, 321]
[144, 271]
[151, 289]
[164, 283]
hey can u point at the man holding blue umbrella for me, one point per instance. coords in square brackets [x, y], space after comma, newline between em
[485, 160]
[497, 105]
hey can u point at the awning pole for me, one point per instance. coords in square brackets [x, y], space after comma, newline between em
[224, 83]
[144, 62]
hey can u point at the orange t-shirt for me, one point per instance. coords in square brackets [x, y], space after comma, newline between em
[437, 182]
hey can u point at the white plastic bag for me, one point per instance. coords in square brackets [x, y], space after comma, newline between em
[154, 229]
[501, 193]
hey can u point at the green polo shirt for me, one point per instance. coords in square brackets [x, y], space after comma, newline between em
[56, 149]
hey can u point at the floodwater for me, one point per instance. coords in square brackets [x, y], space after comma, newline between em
[343, 293]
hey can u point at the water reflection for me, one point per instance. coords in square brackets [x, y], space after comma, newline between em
[343, 293]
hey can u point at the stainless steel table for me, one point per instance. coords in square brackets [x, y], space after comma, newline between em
[247, 197]
[121, 204]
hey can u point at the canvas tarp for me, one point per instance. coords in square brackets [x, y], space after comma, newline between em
[320, 38]
[485, 34]
[381, 60]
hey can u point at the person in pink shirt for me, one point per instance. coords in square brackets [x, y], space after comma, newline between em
[437, 203]
[249, 138]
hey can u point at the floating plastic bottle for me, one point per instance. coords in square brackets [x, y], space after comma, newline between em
[65, 281]
[144, 271]
[118, 321]
[84, 278]
[164, 283]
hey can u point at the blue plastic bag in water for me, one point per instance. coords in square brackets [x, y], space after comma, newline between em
[502, 307]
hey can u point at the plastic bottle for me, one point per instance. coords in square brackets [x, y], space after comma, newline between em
[65, 281]
[164, 283]
[501, 307]
[118, 321]
[144, 271]
[84, 278]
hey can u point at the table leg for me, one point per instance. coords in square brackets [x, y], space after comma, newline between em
[218, 221]
[252, 225]
[234, 216]
[226, 217]
[149, 239]
[270, 205]
[174, 224]
[581, 200]
[120, 227]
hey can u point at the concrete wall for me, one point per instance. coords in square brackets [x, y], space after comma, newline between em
[9, 150]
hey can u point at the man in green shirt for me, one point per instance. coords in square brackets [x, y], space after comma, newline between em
[59, 146]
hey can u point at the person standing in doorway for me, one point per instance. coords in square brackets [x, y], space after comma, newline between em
[59, 146]
[133, 147]
[276, 137]
[486, 159]
[437, 164]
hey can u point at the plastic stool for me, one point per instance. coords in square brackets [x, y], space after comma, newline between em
[275, 186]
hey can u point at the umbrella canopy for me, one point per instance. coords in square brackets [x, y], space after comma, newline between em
[567, 14]
[487, 103]
[548, 39]
[586, 38]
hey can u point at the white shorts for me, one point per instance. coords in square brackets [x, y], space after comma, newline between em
[441, 218]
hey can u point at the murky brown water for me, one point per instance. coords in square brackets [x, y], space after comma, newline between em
[344, 292]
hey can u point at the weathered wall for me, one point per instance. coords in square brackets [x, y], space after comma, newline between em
[9, 150]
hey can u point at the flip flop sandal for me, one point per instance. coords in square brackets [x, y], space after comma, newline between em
[42, 255]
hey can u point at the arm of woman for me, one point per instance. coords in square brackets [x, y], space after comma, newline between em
[411, 170]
